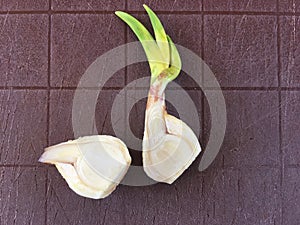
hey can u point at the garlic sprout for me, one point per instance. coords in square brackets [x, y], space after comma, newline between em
[169, 145]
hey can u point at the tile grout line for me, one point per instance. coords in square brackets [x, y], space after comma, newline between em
[279, 111]
[202, 73]
[254, 13]
[48, 102]
[3, 88]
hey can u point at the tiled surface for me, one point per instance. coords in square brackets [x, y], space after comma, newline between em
[290, 110]
[289, 6]
[17, 184]
[254, 178]
[90, 5]
[23, 56]
[173, 5]
[290, 51]
[77, 41]
[23, 126]
[244, 5]
[65, 207]
[15, 5]
[181, 201]
[246, 196]
[60, 123]
[241, 50]
[252, 132]
[291, 200]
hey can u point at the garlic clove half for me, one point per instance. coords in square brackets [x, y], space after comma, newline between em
[92, 166]
[169, 145]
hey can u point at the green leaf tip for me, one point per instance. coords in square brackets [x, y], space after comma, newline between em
[161, 53]
[160, 34]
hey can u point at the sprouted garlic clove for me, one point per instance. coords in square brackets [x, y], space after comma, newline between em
[92, 166]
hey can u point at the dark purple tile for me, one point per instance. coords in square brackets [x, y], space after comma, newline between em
[23, 126]
[291, 193]
[136, 101]
[24, 50]
[77, 41]
[207, 135]
[241, 50]
[60, 118]
[61, 103]
[252, 131]
[22, 195]
[246, 196]
[289, 6]
[290, 110]
[89, 5]
[185, 30]
[173, 5]
[231, 5]
[179, 203]
[15, 5]
[66, 207]
[290, 51]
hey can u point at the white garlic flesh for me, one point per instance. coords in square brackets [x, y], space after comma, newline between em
[92, 166]
[169, 145]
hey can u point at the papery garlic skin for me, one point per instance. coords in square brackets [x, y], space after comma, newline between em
[92, 166]
[169, 145]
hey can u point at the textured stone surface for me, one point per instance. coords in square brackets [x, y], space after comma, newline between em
[23, 126]
[246, 196]
[252, 132]
[251, 181]
[291, 193]
[244, 5]
[60, 123]
[290, 110]
[65, 207]
[128, 205]
[241, 50]
[28, 5]
[22, 195]
[90, 5]
[179, 203]
[289, 6]
[77, 41]
[173, 5]
[290, 51]
[23, 50]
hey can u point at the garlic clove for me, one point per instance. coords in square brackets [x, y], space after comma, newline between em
[167, 156]
[92, 166]
[69, 173]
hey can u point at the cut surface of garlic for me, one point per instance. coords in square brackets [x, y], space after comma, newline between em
[169, 145]
[92, 166]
